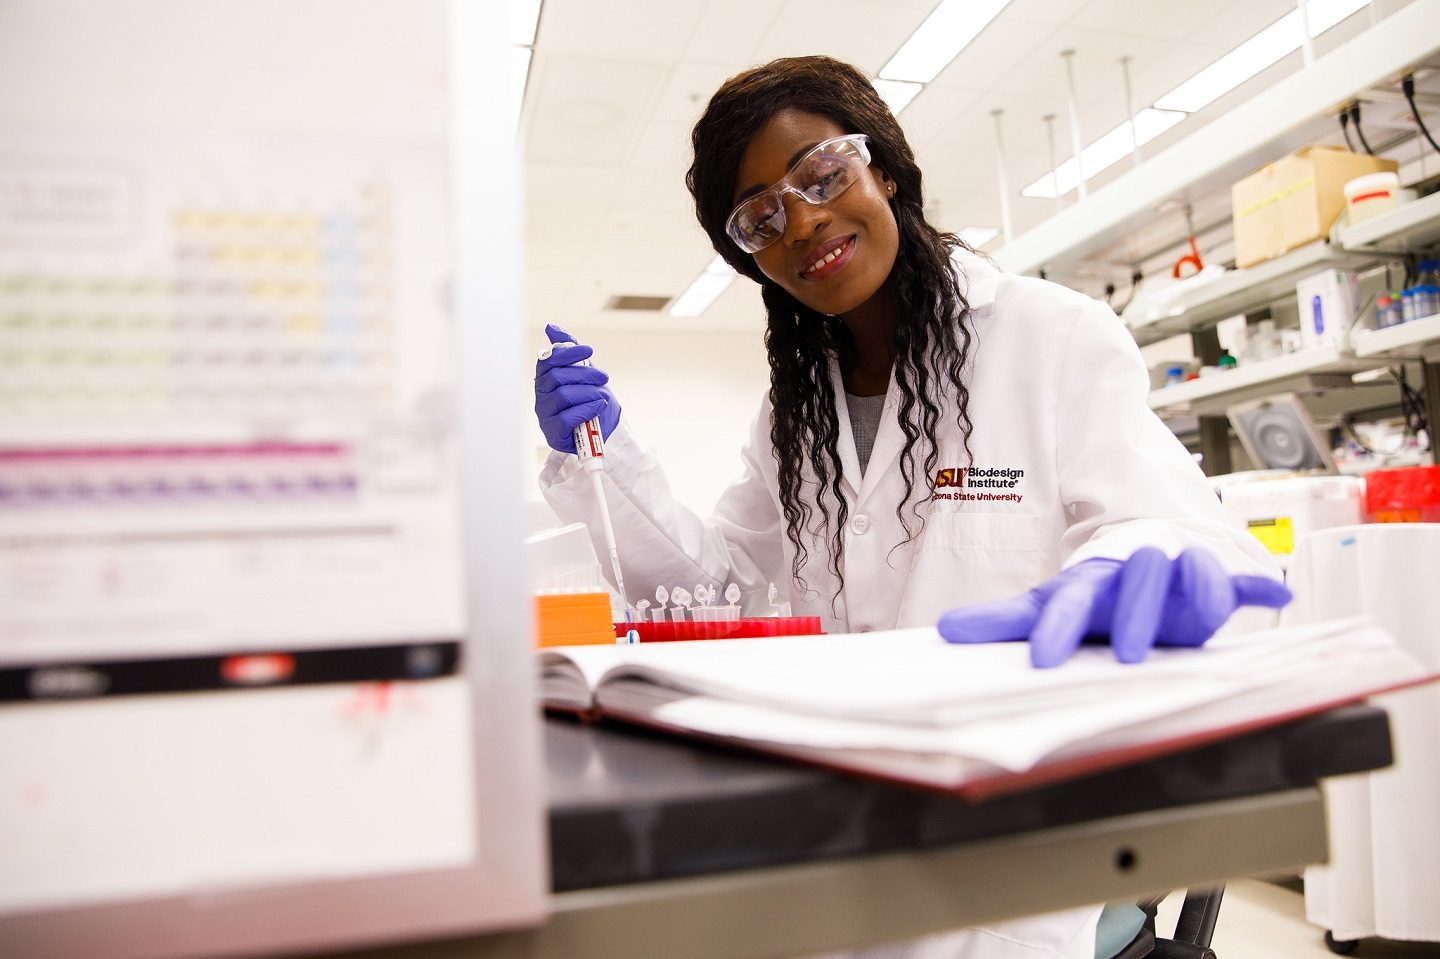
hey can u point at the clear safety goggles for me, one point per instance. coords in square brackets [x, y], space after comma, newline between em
[818, 177]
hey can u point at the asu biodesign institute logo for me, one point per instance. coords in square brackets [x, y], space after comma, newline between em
[979, 484]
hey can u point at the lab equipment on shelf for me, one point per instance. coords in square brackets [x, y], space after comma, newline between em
[1388, 311]
[1295, 200]
[1409, 494]
[1373, 194]
[1327, 302]
[1427, 300]
[1428, 273]
[1418, 302]
[1266, 342]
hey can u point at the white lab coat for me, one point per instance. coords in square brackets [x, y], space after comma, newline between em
[1083, 469]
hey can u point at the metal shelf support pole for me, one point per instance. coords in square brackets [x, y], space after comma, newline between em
[1432, 407]
[1214, 430]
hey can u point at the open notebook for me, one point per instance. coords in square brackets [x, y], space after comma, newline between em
[975, 720]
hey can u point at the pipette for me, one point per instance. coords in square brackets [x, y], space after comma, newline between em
[590, 447]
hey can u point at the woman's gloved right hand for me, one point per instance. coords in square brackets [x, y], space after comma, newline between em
[568, 393]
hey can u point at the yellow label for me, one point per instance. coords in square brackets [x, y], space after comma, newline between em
[1277, 535]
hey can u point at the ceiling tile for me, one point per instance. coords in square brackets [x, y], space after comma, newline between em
[688, 87]
[727, 30]
[1041, 11]
[990, 58]
[619, 30]
[1041, 71]
[855, 31]
[580, 106]
[1174, 20]
[563, 200]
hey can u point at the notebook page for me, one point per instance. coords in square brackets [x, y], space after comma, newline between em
[1173, 692]
[912, 676]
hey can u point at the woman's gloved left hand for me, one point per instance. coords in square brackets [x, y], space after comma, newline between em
[1146, 600]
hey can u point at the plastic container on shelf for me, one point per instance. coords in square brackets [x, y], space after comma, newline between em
[1371, 195]
[1427, 300]
[1174, 375]
[1408, 305]
[1410, 494]
[1266, 342]
[1428, 273]
[1387, 311]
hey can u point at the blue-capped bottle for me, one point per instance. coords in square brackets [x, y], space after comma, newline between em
[1427, 300]
[1408, 306]
[1427, 273]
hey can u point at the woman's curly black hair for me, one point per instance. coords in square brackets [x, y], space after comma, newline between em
[931, 343]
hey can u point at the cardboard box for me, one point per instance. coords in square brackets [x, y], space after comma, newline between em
[1327, 303]
[1294, 200]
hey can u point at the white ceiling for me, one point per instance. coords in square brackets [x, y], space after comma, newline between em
[616, 85]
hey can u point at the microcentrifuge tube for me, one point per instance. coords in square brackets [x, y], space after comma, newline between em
[681, 611]
[732, 594]
[781, 609]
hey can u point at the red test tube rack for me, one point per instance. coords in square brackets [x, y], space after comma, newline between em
[751, 628]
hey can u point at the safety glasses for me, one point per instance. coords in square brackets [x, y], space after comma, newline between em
[818, 177]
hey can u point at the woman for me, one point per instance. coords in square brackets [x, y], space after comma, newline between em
[936, 435]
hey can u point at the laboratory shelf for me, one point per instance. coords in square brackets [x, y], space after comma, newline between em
[1301, 372]
[1290, 114]
[1418, 339]
[1408, 228]
[1242, 291]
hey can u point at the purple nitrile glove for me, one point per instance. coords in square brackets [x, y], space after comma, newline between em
[567, 393]
[1143, 601]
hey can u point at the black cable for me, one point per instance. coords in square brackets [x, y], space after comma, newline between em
[1412, 414]
[1345, 129]
[1408, 87]
[1355, 118]
[1135, 279]
[1414, 406]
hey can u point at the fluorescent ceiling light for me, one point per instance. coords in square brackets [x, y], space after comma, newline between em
[705, 290]
[978, 236]
[948, 30]
[524, 18]
[1266, 48]
[1104, 152]
[897, 94]
[1324, 14]
[519, 73]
